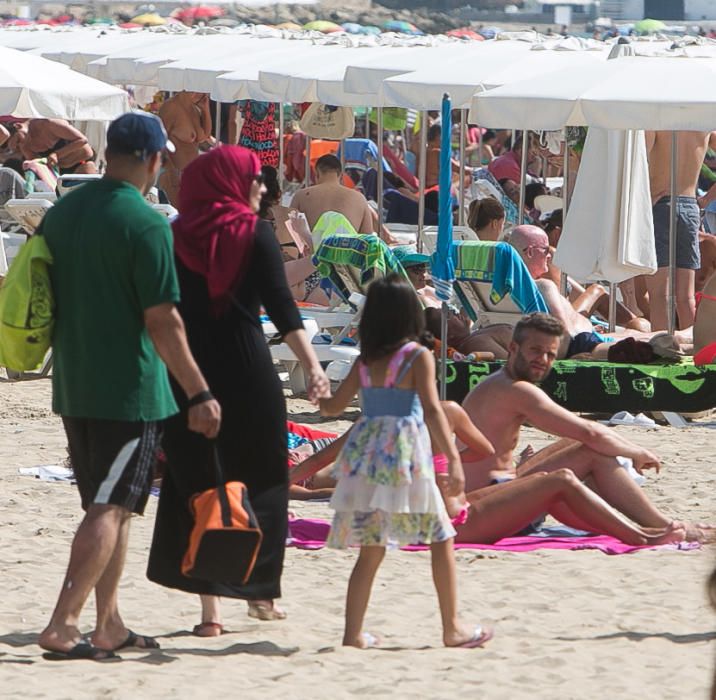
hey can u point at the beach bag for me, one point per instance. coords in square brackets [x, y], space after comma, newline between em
[328, 122]
[226, 537]
[26, 308]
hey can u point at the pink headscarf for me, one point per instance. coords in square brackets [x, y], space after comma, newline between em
[214, 232]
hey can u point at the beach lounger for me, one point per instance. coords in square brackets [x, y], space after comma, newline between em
[66, 182]
[352, 262]
[28, 212]
[327, 353]
[493, 284]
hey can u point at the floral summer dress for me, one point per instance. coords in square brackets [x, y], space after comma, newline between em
[386, 492]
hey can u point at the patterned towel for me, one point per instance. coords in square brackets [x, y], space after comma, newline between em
[367, 253]
[501, 264]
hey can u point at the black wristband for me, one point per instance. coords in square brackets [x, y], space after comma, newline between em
[201, 397]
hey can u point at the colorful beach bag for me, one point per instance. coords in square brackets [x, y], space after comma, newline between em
[226, 537]
[26, 308]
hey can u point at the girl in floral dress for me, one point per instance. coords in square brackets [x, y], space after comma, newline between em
[386, 492]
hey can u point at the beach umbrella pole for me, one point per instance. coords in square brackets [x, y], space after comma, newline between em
[422, 169]
[461, 191]
[307, 171]
[281, 127]
[442, 268]
[379, 139]
[671, 285]
[217, 126]
[565, 206]
[523, 176]
[612, 307]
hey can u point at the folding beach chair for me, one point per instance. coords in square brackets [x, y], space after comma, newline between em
[493, 283]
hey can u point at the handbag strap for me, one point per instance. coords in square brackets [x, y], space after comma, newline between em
[221, 487]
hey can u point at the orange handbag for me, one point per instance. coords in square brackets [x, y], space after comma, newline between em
[226, 537]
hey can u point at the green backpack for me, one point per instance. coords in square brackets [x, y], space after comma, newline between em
[26, 308]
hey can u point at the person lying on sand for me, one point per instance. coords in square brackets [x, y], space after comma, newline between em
[501, 404]
[488, 514]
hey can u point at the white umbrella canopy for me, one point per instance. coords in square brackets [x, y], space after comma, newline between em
[462, 73]
[250, 81]
[367, 78]
[78, 49]
[199, 72]
[659, 93]
[31, 86]
[137, 63]
[299, 80]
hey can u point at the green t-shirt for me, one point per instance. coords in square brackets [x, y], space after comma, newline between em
[113, 258]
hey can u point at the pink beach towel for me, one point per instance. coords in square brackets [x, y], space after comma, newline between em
[311, 534]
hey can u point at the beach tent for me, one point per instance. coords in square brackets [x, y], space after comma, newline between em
[31, 86]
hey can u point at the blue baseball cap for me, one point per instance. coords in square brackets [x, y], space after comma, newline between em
[138, 133]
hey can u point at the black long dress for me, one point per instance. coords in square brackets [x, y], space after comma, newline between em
[233, 356]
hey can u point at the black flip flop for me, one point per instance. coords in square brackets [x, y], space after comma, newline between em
[133, 640]
[82, 651]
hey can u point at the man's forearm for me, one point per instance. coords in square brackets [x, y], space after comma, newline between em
[169, 339]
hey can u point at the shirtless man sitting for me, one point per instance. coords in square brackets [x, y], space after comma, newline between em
[55, 139]
[328, 194]
[532, 243]
[692, 146]
[501, 404]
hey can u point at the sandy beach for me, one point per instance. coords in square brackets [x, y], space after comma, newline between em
[568, 625]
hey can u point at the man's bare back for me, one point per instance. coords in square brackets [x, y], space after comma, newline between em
[691, 147]
[318, 199]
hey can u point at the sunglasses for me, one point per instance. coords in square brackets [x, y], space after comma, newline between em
[544, 249]
[422, 267]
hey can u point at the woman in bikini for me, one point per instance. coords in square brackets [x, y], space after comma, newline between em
[705, 324]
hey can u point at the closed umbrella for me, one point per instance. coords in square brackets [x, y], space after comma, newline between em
[443, 271]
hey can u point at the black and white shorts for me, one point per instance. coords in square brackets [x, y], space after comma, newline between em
[113, 460]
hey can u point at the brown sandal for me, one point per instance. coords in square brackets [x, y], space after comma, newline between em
[208, 629]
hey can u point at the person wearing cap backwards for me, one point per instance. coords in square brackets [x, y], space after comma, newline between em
[115, 288]
[492, 340]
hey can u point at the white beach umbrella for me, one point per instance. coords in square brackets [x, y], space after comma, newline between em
[249, 79]
[490, 64]
[78, 49]
[367, 77]
[661, 93]
[199, 72]
[31, 86]
[138, 63]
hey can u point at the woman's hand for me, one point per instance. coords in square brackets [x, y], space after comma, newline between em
[456, 478]
[318, 384]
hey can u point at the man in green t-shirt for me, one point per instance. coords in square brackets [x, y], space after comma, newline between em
[115, 287]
